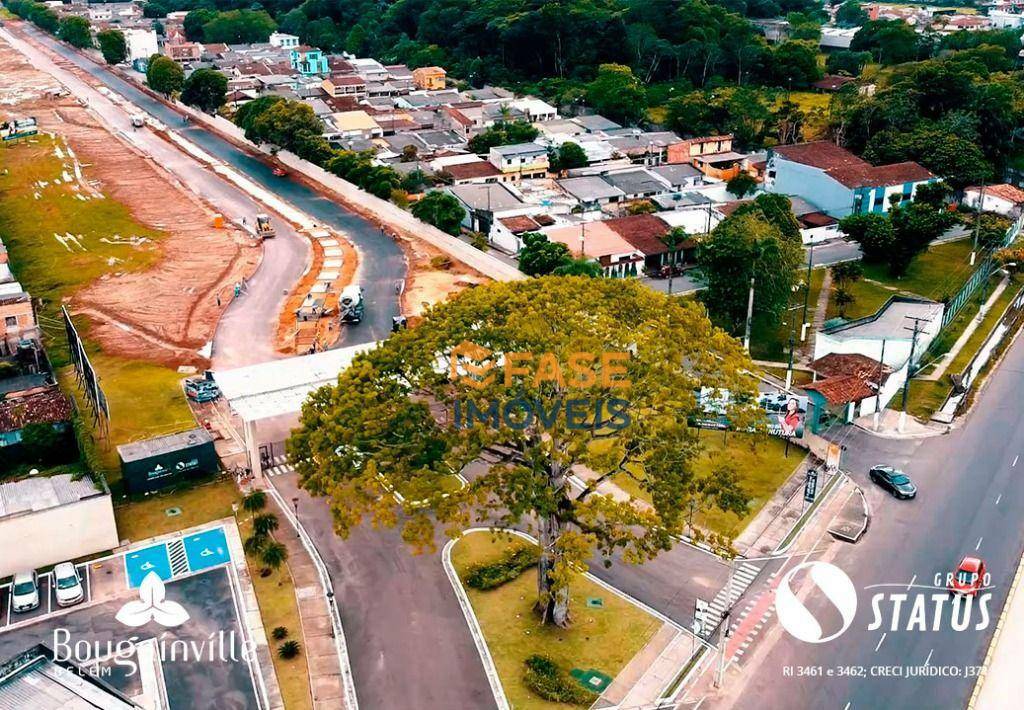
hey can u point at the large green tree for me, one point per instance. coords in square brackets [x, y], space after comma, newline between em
[503, 133]
[76, 32]
[112, 46]
[441, 210]
[205, 89]
[238, 27]
[539, 256]
[617, 94]
[745, 247]
[391, 421]
[164, 75]
[851, 14]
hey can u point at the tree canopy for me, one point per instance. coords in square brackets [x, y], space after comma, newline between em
[391, 421]
[540, 256]
[164, 75]
[112, 46]
[205, 89]
[441, 210]
[747, 245]
[502, 133]
[75, 31]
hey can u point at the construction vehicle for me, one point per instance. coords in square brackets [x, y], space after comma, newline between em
[350, 304]
[264, 230]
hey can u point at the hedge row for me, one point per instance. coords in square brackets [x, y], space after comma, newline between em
[510, 566]
[546, 679]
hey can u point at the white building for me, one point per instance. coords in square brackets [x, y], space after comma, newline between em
[1004, 199]
[142, 44]
[283, 40]
[46, 520]
[1003, 20]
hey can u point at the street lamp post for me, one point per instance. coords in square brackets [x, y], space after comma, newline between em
[750, 315]
[295, 505]
[807, 292]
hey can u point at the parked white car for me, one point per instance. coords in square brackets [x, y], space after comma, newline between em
[67, 585]
[25, 591]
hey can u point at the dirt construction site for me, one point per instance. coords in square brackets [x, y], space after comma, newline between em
[163, 290]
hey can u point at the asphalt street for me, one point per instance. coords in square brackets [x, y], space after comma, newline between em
[382, 263]
[407, 638]
[969, 502]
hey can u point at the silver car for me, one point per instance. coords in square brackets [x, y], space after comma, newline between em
[25, 591]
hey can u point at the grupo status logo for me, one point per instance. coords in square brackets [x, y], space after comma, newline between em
[568, 385]
[957, 600]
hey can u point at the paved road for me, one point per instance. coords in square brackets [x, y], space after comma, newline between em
[408, 642]
[245, 334]
[970, 502]
[382, 262]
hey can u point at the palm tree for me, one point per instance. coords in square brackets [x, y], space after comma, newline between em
[274, 555]
[265, 524]
[288, 649]
[254, 543]
[254, 502]
[673, 239]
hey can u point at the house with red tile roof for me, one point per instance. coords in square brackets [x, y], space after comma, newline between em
[1003, 199]
[839, 182]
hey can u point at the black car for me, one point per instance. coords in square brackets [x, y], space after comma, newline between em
[894, 481]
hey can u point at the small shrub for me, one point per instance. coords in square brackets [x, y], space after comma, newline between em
[440, 262]
[279, 632]
[510, 566]
[289, 649]
[479, 241]
[546, 679]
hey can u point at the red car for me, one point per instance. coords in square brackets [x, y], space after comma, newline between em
[969, 577]
[279, 172]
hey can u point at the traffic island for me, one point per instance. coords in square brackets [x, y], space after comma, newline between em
[852, 520]
[606, 633]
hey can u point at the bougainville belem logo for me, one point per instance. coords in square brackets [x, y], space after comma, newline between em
[797, 619]
[479, 368]
[152, 605]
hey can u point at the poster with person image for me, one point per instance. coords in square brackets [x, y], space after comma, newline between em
[787, 414]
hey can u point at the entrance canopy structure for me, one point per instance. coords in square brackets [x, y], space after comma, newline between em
[268, 397]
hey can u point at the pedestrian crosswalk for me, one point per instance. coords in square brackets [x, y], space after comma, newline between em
[278, 466]
[743, 577]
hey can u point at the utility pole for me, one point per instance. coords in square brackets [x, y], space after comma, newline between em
[910, 365]
[723, 627]
[750, 315]
[807, 292]
[878, 397]
[977, 223]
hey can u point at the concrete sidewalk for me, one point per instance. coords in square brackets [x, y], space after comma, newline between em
[1000, 684]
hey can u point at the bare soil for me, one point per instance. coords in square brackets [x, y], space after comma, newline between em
[169, 311]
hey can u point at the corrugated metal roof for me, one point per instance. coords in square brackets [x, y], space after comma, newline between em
[34, 494]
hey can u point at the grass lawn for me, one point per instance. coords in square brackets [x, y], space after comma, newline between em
[937, 273]
[815, 106]
[761, 462]
[278, 607]
[145, 399]
[926, 396]
[772, 342]
[603, 639]
[138, 520]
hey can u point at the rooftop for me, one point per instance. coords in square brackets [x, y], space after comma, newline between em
[44, 492]
[590, 189]
[880, 175]
[890, 321]
[599, 240]
[48, 406]
[35, 679]
[1003, 191]
[468, 171]
[164, 444]
[636, 182]
[519, 149]
[643, 231]
[819, 154]
[493, 197]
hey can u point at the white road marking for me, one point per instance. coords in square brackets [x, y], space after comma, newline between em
[999, 498]
[978, 546]
[847, 706]
[1014, 461]
[929, 659]
[912, 580]
[880, 643]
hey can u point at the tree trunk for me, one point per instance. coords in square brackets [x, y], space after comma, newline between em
[553, 605]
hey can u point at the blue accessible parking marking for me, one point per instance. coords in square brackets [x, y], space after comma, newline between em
[207, 549]
[139, 563]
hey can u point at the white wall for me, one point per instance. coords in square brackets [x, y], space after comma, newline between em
[816, 235]
[992, 203]
[34, 540]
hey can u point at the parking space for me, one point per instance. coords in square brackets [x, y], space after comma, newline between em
[45, 604]
[83, 575]
[139, 563]
[207, 549]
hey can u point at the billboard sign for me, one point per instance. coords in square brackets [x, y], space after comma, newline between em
[86, 373]
[786, 413]
[811, 485]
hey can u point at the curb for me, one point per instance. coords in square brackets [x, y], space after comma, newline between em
[809, 514]
[474, 625]
[348, 685]
[1017, 579]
